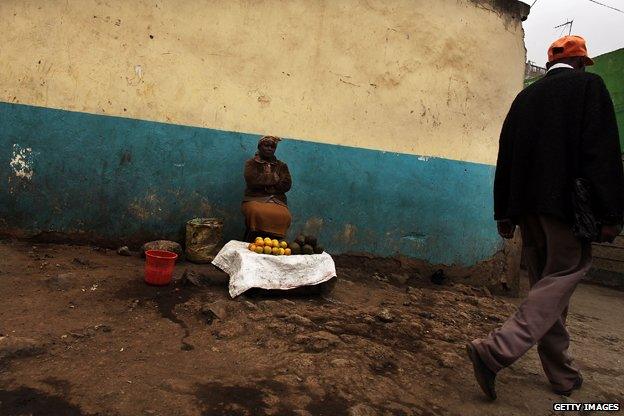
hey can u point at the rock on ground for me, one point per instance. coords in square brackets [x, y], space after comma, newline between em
[361, 410]
[124, 251]
[215, 310]
[384, 315]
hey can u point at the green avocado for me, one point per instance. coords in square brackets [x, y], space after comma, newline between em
[294, 248]
[308, 249]
[311, 240]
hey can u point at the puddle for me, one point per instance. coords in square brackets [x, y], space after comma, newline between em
[166, 299]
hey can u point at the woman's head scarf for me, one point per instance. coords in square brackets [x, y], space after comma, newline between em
[269, 139]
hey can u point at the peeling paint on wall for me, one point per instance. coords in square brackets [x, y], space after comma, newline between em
[416, 238]
[138, 70]
[21, 162]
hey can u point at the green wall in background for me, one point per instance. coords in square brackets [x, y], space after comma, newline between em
[610, 67]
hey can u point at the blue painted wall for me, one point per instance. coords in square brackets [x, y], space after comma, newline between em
[127, 180]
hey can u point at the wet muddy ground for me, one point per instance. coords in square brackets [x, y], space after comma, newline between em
[81, 334]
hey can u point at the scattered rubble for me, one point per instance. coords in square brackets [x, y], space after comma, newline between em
[449, 360]
[375, 348]
[103, 328]
[384, 315]
[124, 251]
[62, 281]
[361, 410]
[400, 278]
[299, 320]
[341, 362]
[318, 341]
[214, 310]
[82, 261]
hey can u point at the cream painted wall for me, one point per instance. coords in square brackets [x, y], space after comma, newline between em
[423, 77]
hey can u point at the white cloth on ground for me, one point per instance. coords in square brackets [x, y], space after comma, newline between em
[252, 270]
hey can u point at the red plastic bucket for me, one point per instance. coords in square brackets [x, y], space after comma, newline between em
[159, 267]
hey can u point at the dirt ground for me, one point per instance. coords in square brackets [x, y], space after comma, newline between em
[83, 335]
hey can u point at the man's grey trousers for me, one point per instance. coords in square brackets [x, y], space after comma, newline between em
[556, 261]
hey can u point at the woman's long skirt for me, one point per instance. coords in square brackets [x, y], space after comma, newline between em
[267, 217]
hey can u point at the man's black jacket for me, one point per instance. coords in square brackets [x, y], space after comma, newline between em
[560, 128]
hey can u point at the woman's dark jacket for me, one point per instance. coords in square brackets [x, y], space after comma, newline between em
[266, 179]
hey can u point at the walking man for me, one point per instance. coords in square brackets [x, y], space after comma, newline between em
[560, 129]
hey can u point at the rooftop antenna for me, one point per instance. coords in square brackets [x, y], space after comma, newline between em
[563, 25]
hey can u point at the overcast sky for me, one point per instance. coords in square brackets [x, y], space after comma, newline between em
[602, 28]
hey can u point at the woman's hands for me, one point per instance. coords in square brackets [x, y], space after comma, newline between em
[269, 177]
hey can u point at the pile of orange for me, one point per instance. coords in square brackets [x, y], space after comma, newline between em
[269, 246]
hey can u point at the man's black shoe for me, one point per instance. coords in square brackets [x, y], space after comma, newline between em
[577, 386]
[485, 377]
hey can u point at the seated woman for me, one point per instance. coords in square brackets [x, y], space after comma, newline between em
[264, 205]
